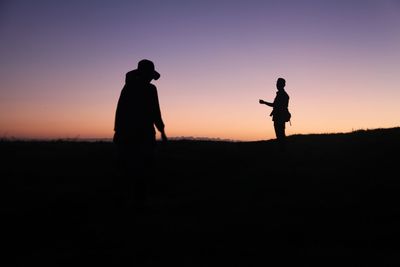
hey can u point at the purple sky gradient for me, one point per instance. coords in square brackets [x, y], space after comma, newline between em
[62, 64]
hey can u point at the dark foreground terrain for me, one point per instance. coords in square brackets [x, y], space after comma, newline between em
[329, 200]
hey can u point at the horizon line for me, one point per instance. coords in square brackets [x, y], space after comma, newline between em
[176, 138]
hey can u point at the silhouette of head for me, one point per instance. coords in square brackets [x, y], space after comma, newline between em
[280, 83]
[147, 70]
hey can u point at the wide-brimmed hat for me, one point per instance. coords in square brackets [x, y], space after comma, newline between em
[147, 66]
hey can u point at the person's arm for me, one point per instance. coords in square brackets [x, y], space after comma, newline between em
[158, 119]
[164, 136]
[266, 103]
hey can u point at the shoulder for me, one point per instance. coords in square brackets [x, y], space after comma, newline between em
[132, 72]
[284, 94]
[130, 76]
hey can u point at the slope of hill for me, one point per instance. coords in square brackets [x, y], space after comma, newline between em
[329, 200]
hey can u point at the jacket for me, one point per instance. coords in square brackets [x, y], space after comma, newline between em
[138, 110]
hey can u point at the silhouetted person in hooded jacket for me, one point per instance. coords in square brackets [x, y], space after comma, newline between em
[138, 111]
[280, 112]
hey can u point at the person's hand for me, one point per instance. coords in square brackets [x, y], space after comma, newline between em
[164, 137]
[261, 101]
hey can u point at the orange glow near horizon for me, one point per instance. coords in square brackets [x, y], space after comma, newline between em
[240, 117]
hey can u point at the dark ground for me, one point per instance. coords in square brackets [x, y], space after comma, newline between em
[330, 200]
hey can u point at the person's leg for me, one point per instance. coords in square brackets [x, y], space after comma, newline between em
[279, 127]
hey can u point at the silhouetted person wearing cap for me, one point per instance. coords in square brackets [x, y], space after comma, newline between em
[280, 112]
[138, 111]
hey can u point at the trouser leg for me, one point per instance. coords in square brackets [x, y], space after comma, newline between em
[280, 133]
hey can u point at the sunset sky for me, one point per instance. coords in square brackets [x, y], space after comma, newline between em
[63, 64]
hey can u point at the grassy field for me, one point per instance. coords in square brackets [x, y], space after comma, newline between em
[329, 200]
